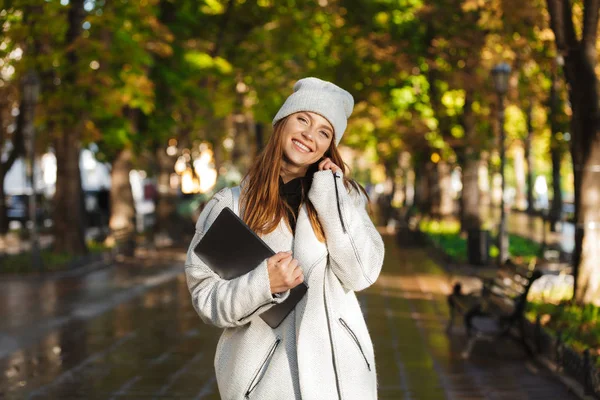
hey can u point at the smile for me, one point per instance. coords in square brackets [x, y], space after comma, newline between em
[301, 146]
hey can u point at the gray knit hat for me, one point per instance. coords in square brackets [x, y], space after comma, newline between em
[323, 98]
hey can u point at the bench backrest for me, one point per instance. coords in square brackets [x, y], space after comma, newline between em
[510, 287]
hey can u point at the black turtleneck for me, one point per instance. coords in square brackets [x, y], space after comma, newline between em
[291, 193]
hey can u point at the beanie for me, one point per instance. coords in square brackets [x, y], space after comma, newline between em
[321, 97]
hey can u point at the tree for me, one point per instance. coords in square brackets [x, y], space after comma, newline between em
[11, 138]
[15, 47]
[68, 120]
[576, 44]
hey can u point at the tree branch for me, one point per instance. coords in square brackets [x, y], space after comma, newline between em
[571, 36]
[590, 22]
[561, 22]
[222, 28]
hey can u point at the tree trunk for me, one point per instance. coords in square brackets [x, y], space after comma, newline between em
[3, 216]
[519, 155]
[165, 203]
[18, 149]
[242, 153]
[580, 62]
[484, 181]
[259, 137]
[470, 198]
[122, 218]
[69, 229]
[420, 185]
[445, 189]
[588, 226]
[556, 153]
[557, 201]
[470, 213]
[529, 160]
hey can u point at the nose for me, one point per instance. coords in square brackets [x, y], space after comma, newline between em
[307, 134]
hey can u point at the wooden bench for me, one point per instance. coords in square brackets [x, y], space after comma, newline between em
[499, 308]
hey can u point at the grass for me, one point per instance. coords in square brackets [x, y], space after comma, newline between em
[53, 262]
[577, 324]
[447, 235]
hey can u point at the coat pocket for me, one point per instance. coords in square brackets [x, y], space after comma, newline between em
[355, 340]
[262, 370]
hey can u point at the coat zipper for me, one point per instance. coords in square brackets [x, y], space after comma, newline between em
[335, 371]
[355, 338]
[337, 198]
[262, 369]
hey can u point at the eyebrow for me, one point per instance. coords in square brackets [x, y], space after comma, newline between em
[313, 121]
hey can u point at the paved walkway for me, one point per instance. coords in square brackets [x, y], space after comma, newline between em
[139, 337]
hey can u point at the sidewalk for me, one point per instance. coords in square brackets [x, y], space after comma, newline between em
[153, 345]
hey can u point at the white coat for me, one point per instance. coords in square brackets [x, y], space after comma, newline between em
[322, 350]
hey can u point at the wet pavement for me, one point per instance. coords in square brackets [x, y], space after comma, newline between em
[130, 332]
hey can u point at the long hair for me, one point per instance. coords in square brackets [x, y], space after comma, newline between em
[262, 206]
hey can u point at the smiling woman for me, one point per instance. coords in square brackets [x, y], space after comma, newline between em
[306, 138]
[297, 199]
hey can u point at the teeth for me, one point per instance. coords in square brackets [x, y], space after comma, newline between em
[303, 147]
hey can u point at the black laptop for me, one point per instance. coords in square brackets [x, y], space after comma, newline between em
[231, 249]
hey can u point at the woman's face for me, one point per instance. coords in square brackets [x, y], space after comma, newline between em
[306, 138]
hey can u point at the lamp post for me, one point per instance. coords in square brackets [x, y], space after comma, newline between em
[31, 90]
[500, 74]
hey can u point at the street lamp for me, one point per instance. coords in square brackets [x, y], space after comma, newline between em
[31, 91]
[500, 74]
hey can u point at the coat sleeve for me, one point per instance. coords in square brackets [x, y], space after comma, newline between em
[355, 246]
[220, 302]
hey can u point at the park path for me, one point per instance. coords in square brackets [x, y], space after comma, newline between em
[138, 337]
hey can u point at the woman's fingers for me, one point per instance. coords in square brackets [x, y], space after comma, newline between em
[322, 163]
[327, 164]
[278, 258]
[284, 274]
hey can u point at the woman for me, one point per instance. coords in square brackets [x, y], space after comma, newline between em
[296, 199]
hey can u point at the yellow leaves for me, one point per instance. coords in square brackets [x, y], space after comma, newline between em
[457, 131]
[515, 124]
[160, 48]
[382, 18]
[212, 7]
[545, 34]
[454, 100]
[137, 91]
[204, 61]
[91, 131]
[473, 5]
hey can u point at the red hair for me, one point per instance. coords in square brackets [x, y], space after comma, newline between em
[263, 207]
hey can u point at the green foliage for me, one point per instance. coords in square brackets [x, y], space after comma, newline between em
[579, 326]
[148, 71]
[447, 235]
[53, 262]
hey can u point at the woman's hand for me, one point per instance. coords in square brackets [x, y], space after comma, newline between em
[326, 163]
[284, 272]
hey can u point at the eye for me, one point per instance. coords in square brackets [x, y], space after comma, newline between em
[304, 120]
[325, 134]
